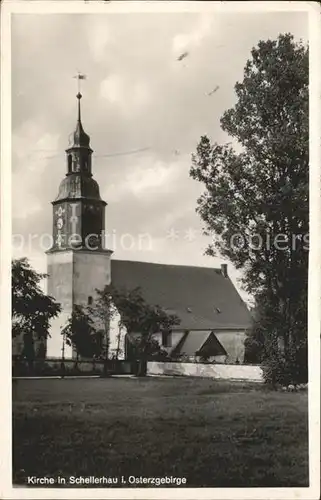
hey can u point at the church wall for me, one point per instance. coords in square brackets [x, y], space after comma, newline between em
[233, 343]
[91, 271]
[55, 341]
[59, 286]
[59, 282]
[113, 337]
[73, 277]
[175, 338]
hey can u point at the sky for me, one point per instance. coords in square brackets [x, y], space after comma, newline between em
[144, 110]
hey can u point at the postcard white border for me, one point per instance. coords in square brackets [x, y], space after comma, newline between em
[77, 6]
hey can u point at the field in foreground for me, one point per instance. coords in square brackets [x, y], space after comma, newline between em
[216, 434]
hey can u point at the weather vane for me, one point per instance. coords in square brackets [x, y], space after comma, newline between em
[80, 76]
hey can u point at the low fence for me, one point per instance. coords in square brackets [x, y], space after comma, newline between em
[60, 367]
[249, 373]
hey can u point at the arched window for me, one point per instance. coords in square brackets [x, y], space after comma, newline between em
[87, 164]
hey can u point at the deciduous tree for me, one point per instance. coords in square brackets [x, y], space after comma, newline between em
[102, 311]
[32, 309]
[255, 203]
[142, 321]
[79, 332]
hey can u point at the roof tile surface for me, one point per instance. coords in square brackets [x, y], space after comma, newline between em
[200, 296]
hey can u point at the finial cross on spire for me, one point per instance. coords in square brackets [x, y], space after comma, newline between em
[80, 76]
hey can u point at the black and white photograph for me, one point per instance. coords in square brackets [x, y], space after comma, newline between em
[163, 261]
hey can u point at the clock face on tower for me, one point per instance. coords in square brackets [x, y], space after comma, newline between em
[93, 241]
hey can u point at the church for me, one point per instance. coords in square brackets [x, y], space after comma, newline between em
[213, 317]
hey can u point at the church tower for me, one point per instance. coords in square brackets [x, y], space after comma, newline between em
[77, 263]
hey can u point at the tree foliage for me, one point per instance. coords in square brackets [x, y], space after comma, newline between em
[32, 310]
[152, 351]
[102, 311]
[88, 328]
[255, 203]
[80, 333]
[142, 321]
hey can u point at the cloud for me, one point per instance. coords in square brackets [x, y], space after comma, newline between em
[98, 36]
[188, 41]
[129, 96]
[149, 181]
[29, 167]
[31, 146]
[112, 89]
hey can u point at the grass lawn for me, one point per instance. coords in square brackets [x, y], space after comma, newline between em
[216, 434]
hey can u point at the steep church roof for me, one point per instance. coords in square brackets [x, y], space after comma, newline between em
[76, 186]
[78, 182]
[203, 298]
